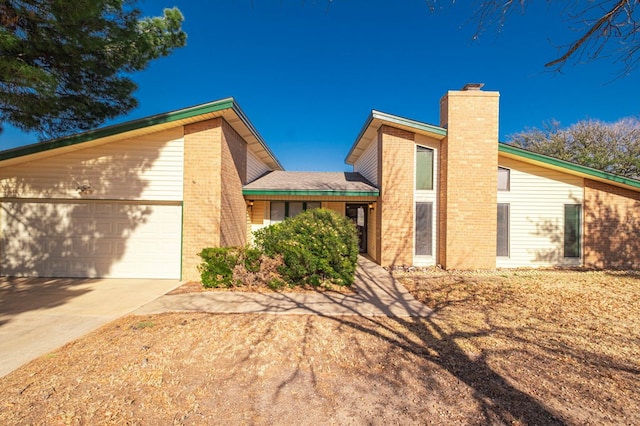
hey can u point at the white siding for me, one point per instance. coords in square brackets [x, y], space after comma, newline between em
[429, 196]
[537, 197]
[367, 164]
[255, 167]
[145, 168]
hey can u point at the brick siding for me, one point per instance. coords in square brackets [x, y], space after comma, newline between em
[468, 180]
[201, 202]
[233, 210]
[611, 226]
[394, 221]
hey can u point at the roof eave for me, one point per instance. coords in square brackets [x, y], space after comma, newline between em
[310, 192]
[377, 118]
[566, 166]
[179, 117]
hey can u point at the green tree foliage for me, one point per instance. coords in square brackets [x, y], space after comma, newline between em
[64, 64]
[612, 147]
[219, 265]
[317, 245]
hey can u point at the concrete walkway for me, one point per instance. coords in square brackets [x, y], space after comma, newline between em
[38, 315]
[378, 294]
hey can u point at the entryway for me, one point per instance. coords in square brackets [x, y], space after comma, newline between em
[358, 214]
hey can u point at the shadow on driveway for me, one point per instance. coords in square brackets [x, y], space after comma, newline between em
[38, 315]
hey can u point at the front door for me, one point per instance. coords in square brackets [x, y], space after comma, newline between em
[358, 214]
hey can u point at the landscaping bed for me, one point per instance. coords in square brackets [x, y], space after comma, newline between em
[510, 347]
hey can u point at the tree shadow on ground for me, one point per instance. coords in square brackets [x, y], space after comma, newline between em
[497, 399]
[19, 295]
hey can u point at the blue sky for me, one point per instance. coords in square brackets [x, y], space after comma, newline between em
[308, 73]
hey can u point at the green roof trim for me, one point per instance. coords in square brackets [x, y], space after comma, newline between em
[418, 125]
[510, 149]
[395, 119]
[309, 192]
[168, 117]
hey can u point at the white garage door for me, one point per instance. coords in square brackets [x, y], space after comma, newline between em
[90, 239]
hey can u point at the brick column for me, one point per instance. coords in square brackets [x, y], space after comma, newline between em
[201, 192]
[468, 180]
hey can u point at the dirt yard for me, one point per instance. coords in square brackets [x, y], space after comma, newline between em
[522, 347]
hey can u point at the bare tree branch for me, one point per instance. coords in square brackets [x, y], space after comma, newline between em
[605, 28]
[606, 23]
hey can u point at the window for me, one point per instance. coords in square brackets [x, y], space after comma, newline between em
[282, 209]
[295, 207]
[424, 225]
[504, 179]
[572, 234]
[502, 247]
[277, 211]
[424, 168]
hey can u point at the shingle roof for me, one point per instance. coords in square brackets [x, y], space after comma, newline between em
[311, 183]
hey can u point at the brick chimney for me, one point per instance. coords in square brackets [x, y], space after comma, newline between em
[468, 179]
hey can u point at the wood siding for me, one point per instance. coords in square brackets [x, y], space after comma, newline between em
[149, 167]
[537, 197]
[255, 167]
[367, 164]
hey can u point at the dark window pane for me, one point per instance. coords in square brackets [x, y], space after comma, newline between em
[313, 205]
[424, 221]
[295, 207]
[503, 230]
[277, 211]
[424, 168]
[572, 215]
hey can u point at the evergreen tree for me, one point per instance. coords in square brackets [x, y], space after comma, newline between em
[65, 64]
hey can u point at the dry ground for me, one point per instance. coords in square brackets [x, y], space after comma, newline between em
[519, 347]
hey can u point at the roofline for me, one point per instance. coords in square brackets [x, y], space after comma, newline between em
[253, 130]
[310, 192]
[167, 117]
[394, 119]
[573, 167]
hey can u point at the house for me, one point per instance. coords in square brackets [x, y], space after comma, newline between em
[141, 199]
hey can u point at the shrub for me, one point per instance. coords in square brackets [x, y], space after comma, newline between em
[317, 245]
[232, 266]
[218, 263]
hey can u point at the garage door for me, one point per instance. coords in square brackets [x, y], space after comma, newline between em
[90, 239]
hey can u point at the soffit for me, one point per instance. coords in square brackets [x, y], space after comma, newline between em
[376, 119]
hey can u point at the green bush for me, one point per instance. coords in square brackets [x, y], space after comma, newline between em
[218, 263]
[251, 259]
[317, 245]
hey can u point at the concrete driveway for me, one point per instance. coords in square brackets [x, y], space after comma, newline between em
[38, 315]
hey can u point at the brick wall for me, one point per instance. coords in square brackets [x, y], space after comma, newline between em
[394, 221]
[371, 233]
[441, 219]
[233, 209]
[468, 180]
[611, 226]
[201, 192]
